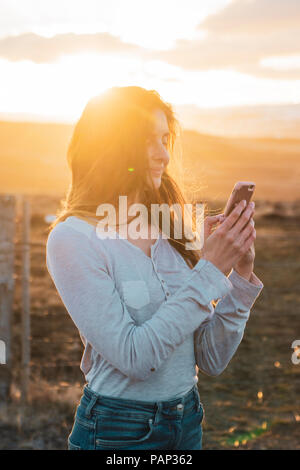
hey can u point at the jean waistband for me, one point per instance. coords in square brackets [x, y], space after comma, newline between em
[95, 398]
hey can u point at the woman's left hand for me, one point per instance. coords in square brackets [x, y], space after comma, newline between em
[245, 265]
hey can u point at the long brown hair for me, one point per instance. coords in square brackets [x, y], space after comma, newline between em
[107, 157]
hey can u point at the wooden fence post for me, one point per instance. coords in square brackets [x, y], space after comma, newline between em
[25, 300]
[7, 257]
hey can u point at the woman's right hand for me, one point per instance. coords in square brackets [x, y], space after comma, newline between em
[231, 239]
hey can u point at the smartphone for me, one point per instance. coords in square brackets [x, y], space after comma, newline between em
[241, 190]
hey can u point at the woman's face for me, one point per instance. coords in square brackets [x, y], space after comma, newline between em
[158, 155]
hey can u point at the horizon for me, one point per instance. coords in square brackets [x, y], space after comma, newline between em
[254, 121]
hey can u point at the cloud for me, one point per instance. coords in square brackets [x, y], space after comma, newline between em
[243, 55]
[240, 36]
[30, 46]
[237, 37]
[254, 16]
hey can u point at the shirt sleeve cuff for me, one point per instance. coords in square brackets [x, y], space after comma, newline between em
[247, 291]
[217, 285]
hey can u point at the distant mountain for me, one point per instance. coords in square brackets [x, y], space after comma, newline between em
[33, 160]
[279, 121]
[33, 156]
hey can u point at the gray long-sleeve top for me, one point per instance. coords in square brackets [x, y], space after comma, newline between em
[147, 323]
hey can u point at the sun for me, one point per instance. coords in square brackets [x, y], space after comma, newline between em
[63, 88]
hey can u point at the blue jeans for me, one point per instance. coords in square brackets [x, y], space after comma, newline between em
[108, 423]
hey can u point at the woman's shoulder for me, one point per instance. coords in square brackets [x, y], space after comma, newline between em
[71, 243]
[71, 226]
[71, 232]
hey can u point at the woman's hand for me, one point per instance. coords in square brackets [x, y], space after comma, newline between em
[245, 264]
[230, 244]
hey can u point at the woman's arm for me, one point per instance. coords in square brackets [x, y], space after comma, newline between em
[217, 339]
[78, 268]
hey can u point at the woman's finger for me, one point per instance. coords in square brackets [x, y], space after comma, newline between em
[212, 219]
[233, 217]
[211, 223]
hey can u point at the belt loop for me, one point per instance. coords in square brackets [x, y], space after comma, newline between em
[89, 408]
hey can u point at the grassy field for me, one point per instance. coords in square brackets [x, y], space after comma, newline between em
[254, 404]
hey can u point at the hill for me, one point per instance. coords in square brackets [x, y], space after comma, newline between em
[33, 160]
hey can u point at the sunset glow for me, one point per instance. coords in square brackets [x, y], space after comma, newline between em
[54, 58]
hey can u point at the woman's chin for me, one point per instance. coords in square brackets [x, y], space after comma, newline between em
[156, 181]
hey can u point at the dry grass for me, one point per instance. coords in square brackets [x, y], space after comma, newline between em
[254, 404]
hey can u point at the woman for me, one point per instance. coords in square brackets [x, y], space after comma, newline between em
[145, 306]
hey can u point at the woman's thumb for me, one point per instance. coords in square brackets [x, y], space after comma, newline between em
[213, 219]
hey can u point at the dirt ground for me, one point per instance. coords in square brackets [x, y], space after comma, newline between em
[254, 404]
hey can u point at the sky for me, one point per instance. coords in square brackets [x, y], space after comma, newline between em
[56, 54]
